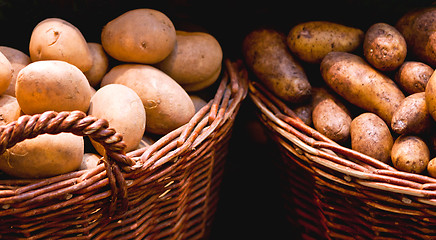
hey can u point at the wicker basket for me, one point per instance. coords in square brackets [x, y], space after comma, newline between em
[332, 192]
[168, 190]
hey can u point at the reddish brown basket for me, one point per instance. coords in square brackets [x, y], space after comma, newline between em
[168, 190]
[332, 192]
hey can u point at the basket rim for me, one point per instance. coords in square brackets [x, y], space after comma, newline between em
[148, 160]
[318, 149]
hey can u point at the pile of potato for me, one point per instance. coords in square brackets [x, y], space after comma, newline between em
[376, 91]
[143, 78]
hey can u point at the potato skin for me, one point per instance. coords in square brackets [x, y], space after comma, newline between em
[9, 109]
[90, 161]
[100, 64]
[384, 47]
[412, 116]
[5, 73]
[371, 136]
[44, 156]
[57, 39]
[198, 102]
[321, 93]
[356, 81]
[267, 55]
[430, 95]
[419, 30]
[410, 154]
[167, 104]
[311, 41]
[198, 86]
[431, 167]
[124, 111]
[52, 85]
[304, 112]
[197, 56]
[18, 60]
[141, 36]
[405, 22]
[329, 119]
[413, 76]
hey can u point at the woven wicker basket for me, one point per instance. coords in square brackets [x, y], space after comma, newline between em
[168, 190]
[332, 192]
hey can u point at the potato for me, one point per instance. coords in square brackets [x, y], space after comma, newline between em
[5, 73]
[140, 36]
[321, 93]
[18, 60]
[166, 103]
[44, 156]
[93, 90]
[404, 23]
[146, 141]
[9, 109]
[419, 30]
[410, 154]
[431, 167]
[89, 161]
[357, 82]
[430, 95]
[329, 119]
[311, 41]
[267, 55]
[371, 136]
[413, 76]
[198, 86]
[412, 116]
[304, 112]
[52, 85]
[57, 39]
[100, 64]
[384, 47]
[123, 109]
[198, 102]
[196, 58]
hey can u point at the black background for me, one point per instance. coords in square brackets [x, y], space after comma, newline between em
[250, 205]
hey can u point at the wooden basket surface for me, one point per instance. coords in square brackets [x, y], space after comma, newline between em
[168, 190]
[333, 192]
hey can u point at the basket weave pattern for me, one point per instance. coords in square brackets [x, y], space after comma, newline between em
[168, 190]
[332, 192]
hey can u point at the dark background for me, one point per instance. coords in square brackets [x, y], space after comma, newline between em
[250, 204]
[228, 20]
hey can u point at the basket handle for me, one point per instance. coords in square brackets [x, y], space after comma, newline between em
[78, 123]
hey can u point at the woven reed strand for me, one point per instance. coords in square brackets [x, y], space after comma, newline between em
[332, 192]
[171, 187]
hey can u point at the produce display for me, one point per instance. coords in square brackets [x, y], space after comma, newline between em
[372, 90]
[145, 78]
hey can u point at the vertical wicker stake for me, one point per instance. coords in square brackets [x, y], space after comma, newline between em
[170, 187]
